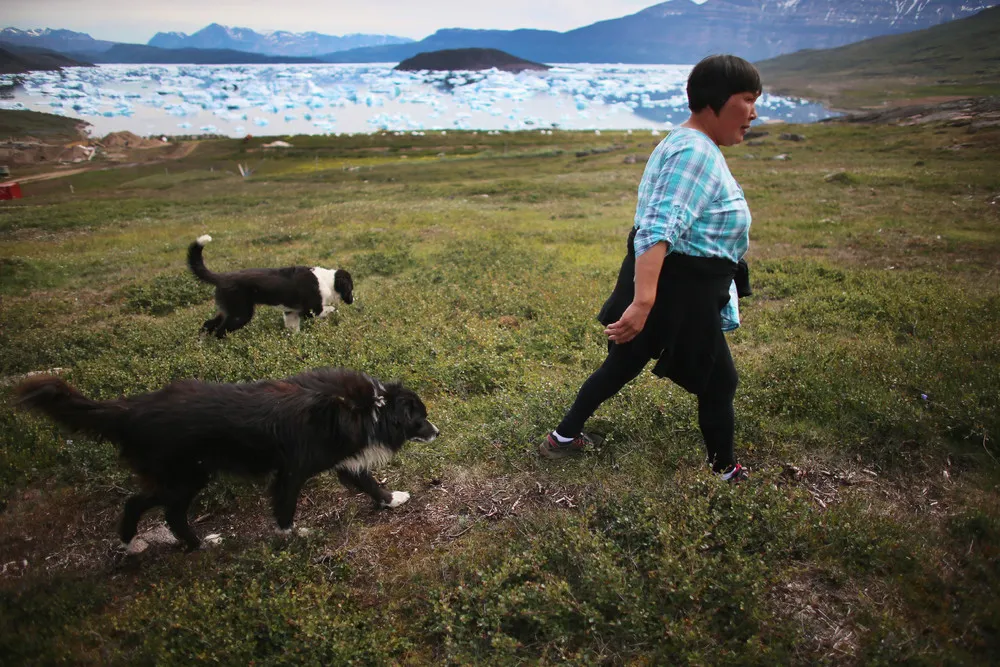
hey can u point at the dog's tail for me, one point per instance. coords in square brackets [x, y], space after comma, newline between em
[197, 263]
[56, 399]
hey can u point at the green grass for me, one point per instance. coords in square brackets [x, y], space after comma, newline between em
[869, 360]
[39, 125]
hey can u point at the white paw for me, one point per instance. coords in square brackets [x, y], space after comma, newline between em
[213, 540]
[398, 498]
[294, 530]
[136, 546]
[159, 535]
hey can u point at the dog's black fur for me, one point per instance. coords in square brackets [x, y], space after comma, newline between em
[177, 438]
[298, 290]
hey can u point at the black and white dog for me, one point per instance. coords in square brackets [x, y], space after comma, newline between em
[176, 439]
[300, 291]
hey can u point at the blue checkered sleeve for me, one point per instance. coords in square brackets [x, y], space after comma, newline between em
[676, 187]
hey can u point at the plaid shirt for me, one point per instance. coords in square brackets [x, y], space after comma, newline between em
[689, 198]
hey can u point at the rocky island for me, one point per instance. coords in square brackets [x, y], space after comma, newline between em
[468, 60]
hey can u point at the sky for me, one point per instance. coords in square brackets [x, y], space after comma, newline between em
[138, 20]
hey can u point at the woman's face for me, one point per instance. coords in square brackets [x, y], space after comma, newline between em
[735, 117]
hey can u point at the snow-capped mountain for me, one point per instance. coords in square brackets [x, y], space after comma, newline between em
[57, 40]
[278, 42]
[681, 31]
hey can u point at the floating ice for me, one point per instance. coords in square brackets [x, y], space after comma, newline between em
[373, 97]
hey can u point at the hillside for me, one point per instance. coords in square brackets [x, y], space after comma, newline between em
[961, 58]
[869, 360]
[39, 125]
[468, 59]
[16, 59]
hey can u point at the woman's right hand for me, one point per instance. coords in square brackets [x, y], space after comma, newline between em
[631, 323]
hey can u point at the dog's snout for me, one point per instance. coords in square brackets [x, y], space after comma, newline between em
[428, 432]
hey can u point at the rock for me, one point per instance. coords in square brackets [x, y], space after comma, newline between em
[783, 156]
[789, 136]
[841, 177]
[629, 159]
[755, 143]
[755, 134]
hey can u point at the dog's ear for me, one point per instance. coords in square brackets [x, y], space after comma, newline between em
[412, 407]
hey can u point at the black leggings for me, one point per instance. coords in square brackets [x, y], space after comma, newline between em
[716, 416]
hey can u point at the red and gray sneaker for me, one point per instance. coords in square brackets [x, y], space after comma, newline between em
[735, 474]
[553, 449]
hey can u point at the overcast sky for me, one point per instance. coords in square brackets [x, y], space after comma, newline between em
[138, 20]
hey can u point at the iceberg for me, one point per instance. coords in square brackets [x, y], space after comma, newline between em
[151, 98]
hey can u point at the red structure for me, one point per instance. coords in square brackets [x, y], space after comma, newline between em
[11, 190]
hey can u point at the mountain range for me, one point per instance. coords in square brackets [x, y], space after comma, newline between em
[275, 43]
[676, 31]
[680, 31]
[213, 37]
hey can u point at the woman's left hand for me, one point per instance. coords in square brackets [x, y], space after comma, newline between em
[628, 327]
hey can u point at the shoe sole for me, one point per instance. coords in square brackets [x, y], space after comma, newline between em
[550, 453]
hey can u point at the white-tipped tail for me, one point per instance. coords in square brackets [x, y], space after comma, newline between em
[203, 239]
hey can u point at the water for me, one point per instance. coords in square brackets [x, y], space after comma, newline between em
[236, 100]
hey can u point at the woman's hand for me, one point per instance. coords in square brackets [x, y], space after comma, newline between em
[631, 323]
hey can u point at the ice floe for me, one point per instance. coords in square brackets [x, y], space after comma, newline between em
[293, 99]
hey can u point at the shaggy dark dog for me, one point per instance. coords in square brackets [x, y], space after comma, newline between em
[300, 291]
[177, 438]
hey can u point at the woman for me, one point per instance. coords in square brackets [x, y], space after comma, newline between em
[676, 292]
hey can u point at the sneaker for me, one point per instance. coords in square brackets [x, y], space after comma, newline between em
[553, 449]
[735, 474]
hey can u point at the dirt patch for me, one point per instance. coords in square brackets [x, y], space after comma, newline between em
[50, 529]
[57, 529]
[824, 614]
[121, 140]
[166, 153]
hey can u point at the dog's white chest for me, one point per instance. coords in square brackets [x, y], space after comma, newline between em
[370, 457]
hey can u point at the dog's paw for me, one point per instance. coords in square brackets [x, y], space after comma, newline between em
[213, 540]
[398, 498]
[159, 535]
[294, 530]
[136, 546]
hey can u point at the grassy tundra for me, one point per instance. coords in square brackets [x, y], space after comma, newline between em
[868, 409]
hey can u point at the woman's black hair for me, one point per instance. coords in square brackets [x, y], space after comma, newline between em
[716, 78]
